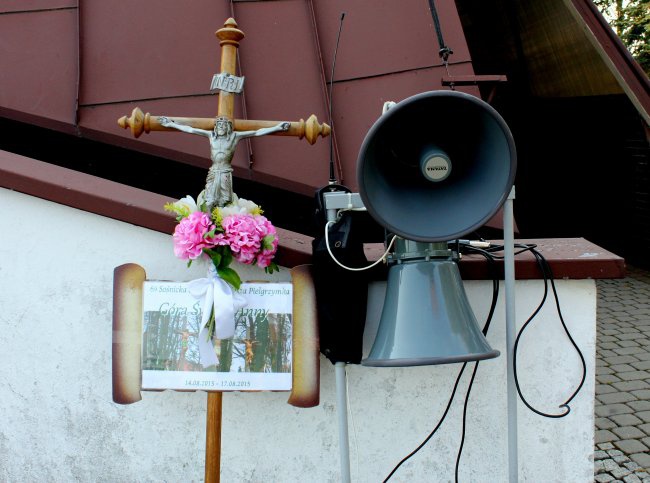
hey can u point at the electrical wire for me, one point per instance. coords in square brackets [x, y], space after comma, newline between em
[329, 250]
[495, 296]
[547, 274]
[442, 419]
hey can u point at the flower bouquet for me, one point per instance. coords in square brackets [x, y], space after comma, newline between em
[236, 231]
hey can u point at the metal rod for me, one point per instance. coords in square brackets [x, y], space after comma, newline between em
[511, 334]
[342, 408]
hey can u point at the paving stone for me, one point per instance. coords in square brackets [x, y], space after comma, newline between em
[605, 389]
[626, 351]
[622, 360]
[631, 465]
[642, 458]
[632, 478]
[629, 343]
[620, 473]
[641, 365]
[599, 454]
[629, 376]
[631, 385]
[644, 415]
[609, 332]
[607, 379]
[607, 338]
[605, 423]
[603, 478]
[630, 446]
[608, 345]
[641, 393]
[604, 436]
[607, 370]
[607, 410]
[605, 353]
[643, 427]
[628, 432]
[605, 446]
[618, 368]
[617, 397]
[646, 441]
[638, 405]
[629, 336]
[624, 420]
[610, 465]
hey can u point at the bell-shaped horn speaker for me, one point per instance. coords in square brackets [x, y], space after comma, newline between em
[433, 168]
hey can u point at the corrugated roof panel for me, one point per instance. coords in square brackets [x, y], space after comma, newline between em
[38, 65]
[148, 49]
[385, 36]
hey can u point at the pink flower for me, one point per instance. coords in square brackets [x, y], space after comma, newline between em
[190, 236]
[269, 243]
[243, 236]
[252, 238]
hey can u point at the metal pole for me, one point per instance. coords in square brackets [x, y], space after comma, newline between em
[342, 408]
[511, 333]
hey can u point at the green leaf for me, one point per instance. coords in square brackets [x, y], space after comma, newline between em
[273, 267]
[214, 256]
[226, 257]
[189, 262]
[230, 276]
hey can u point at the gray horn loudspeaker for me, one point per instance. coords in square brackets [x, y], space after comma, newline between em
[433, 168]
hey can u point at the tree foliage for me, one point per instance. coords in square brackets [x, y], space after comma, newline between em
[630, 19]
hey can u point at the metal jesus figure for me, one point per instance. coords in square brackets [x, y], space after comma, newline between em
[223, 141]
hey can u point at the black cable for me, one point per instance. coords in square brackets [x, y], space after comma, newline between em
[444, 51]
[442, 419]
[495, 295]
[462, 434]
[547, 274]
[333, 179]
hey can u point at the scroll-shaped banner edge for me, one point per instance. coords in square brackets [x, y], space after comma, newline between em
[305, 389]
[127, 333]
[128, 280]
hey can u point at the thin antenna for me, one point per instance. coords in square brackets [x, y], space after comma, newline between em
[333, 179]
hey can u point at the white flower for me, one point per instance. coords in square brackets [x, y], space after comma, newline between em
[240, 206]
[187, 204]
[183, 207]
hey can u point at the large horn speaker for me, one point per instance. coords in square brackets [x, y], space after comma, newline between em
[433, 168]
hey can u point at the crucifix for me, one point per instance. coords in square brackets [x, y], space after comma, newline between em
[223, 132]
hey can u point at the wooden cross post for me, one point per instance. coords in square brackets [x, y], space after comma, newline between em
[228, 85]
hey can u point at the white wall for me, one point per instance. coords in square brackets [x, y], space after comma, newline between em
[59, 422]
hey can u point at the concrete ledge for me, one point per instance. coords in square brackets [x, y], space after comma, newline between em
[573, 258]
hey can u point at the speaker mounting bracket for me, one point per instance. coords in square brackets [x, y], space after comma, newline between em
[474, 80]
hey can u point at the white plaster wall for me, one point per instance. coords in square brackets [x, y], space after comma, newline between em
[59, 423]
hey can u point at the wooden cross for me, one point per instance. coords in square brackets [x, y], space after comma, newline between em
[229, 37]
[228, 85]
